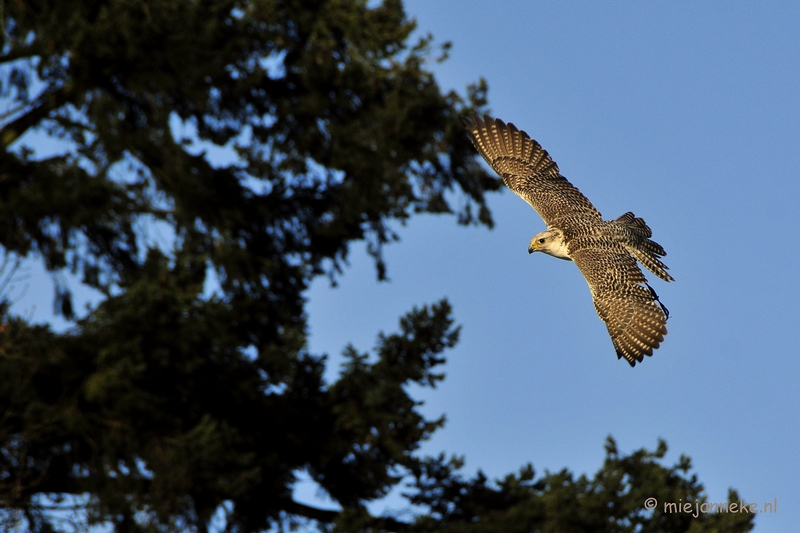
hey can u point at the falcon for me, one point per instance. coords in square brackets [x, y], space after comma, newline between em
[605, 251]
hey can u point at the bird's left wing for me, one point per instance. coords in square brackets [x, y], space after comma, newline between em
[528, 170]
[636, 320]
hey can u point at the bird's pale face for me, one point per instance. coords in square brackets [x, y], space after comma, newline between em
[550, 242]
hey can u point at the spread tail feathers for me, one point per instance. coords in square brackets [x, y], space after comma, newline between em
[638, 243]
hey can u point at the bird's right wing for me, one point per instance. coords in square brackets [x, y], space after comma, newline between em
[528, 170]
[635, 318]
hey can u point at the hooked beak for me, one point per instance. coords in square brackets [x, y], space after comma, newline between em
[531, 249]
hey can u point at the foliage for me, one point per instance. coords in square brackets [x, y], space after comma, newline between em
[613, 500]
[188, 389]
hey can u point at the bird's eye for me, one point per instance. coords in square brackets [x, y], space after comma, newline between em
[541, 241]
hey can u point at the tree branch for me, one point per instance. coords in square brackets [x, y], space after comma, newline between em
[49, 101]
[327, 516]
[321, 515]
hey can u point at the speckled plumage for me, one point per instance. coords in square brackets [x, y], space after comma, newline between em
[606, 252]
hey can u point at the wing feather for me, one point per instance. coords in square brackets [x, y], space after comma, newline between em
[527, 169]
[635, 319]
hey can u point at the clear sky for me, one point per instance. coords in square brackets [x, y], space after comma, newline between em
[687, 114]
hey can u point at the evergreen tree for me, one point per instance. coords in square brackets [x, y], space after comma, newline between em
[629, 494]
[188, 391]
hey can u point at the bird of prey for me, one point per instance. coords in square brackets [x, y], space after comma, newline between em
[605, 251]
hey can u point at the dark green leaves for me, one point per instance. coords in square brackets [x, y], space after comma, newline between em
[613, 500]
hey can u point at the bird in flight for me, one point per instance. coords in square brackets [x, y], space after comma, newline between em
[605, 251]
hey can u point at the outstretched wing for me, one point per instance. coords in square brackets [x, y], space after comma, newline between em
[528, 170]
[636, 320]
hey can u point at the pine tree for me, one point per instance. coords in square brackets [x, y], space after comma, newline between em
[629, 494]
[168, 401]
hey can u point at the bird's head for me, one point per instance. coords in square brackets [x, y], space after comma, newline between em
[550, 242]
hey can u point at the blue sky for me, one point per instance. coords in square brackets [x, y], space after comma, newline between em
[687, 114]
